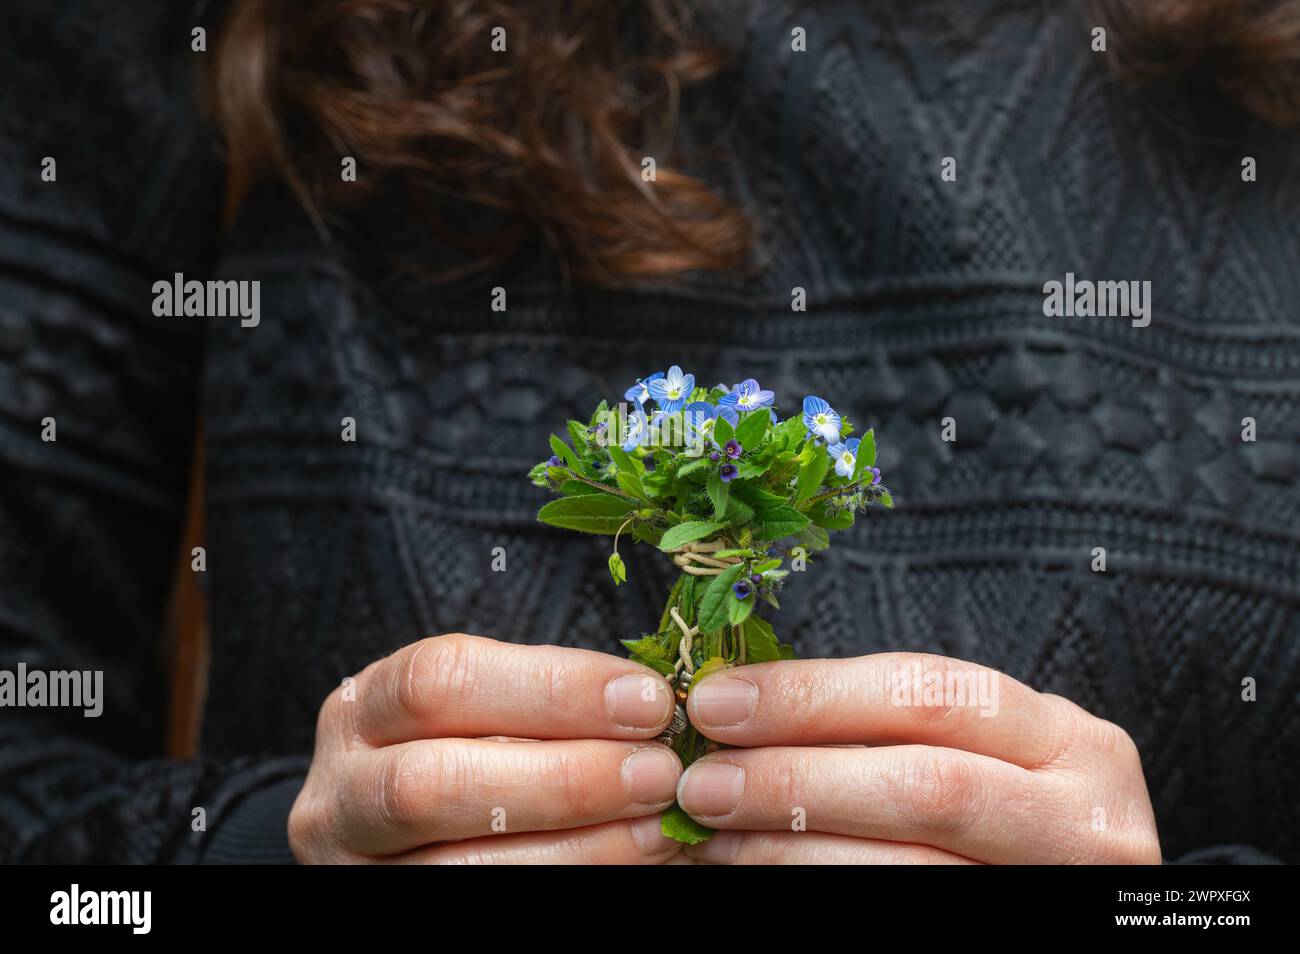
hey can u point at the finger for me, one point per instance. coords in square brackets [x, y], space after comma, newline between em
[630, 842]
[468, 686]
[883, 699]
[412, 794]
[971, 805]
[813, 848]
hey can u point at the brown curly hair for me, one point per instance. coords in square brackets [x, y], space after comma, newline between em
[550, 135]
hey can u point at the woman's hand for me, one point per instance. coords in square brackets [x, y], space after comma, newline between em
[1005, 775]
[431, 755]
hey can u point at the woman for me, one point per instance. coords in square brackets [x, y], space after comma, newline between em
[1079, 506]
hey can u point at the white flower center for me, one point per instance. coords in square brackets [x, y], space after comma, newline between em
[847, 458]
[821, 420]
[674, 393]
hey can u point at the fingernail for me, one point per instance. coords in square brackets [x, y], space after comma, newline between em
[721, 849]
[650, 776]
[638, 702]
[722, 701]
[648, 834]
[711, 788]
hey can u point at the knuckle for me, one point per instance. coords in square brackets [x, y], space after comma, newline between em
[437, 669]
[947, 709]
[1129, 847]
[395, 802]
[579, 778]
[758, 848]
[1113, 742]
[329, 715]
[776, 787]
[308, 826]
[799, 688]
[1059, 726]
[552, 676]
[940, 792]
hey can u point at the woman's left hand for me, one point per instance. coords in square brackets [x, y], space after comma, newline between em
[880, 760]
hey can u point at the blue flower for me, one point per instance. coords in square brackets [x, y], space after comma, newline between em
[701, 416]
[876, 473]
[640, 391]
[845, 456]
[742, 589]
[734, 449]
[728, 473]
[673, 390]
[747, 395]
[821, 419]
[554, 461]
[638, 430]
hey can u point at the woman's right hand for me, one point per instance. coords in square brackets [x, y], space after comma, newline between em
[464, 749]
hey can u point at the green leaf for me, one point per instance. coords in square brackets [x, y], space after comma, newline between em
[811, 475]
[631, 483]
[790, 432]
[866, 453]
[722, 431]
[623, 461]
[566, 454]
[687, 532]
[780, 522]
[813, 538]
[831, 519]
[646, 533]
[692, 466]
[616, 569]
[679, 826]
[590, 513]
[760, 641]
[752, 428]
[784, 468]
[578, 435]
[650, 647]
[658, 665]
[713, 608]
[708, 667]
[738, 610]
[887, 499]
[756, 497]
[718, 493]
[738, 513]
[576, 488]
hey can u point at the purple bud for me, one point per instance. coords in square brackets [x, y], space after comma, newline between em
[649, 462]
[553, 462]
[734, 449]
[741, 589]
[876, 471]
[728, 472]
[715, 456]
[756, 579]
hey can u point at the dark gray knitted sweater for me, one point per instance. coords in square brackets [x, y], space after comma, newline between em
[924, 302]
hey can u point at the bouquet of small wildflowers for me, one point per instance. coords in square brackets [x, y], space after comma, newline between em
[719, 483]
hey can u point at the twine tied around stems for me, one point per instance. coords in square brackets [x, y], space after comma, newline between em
[696, 559]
